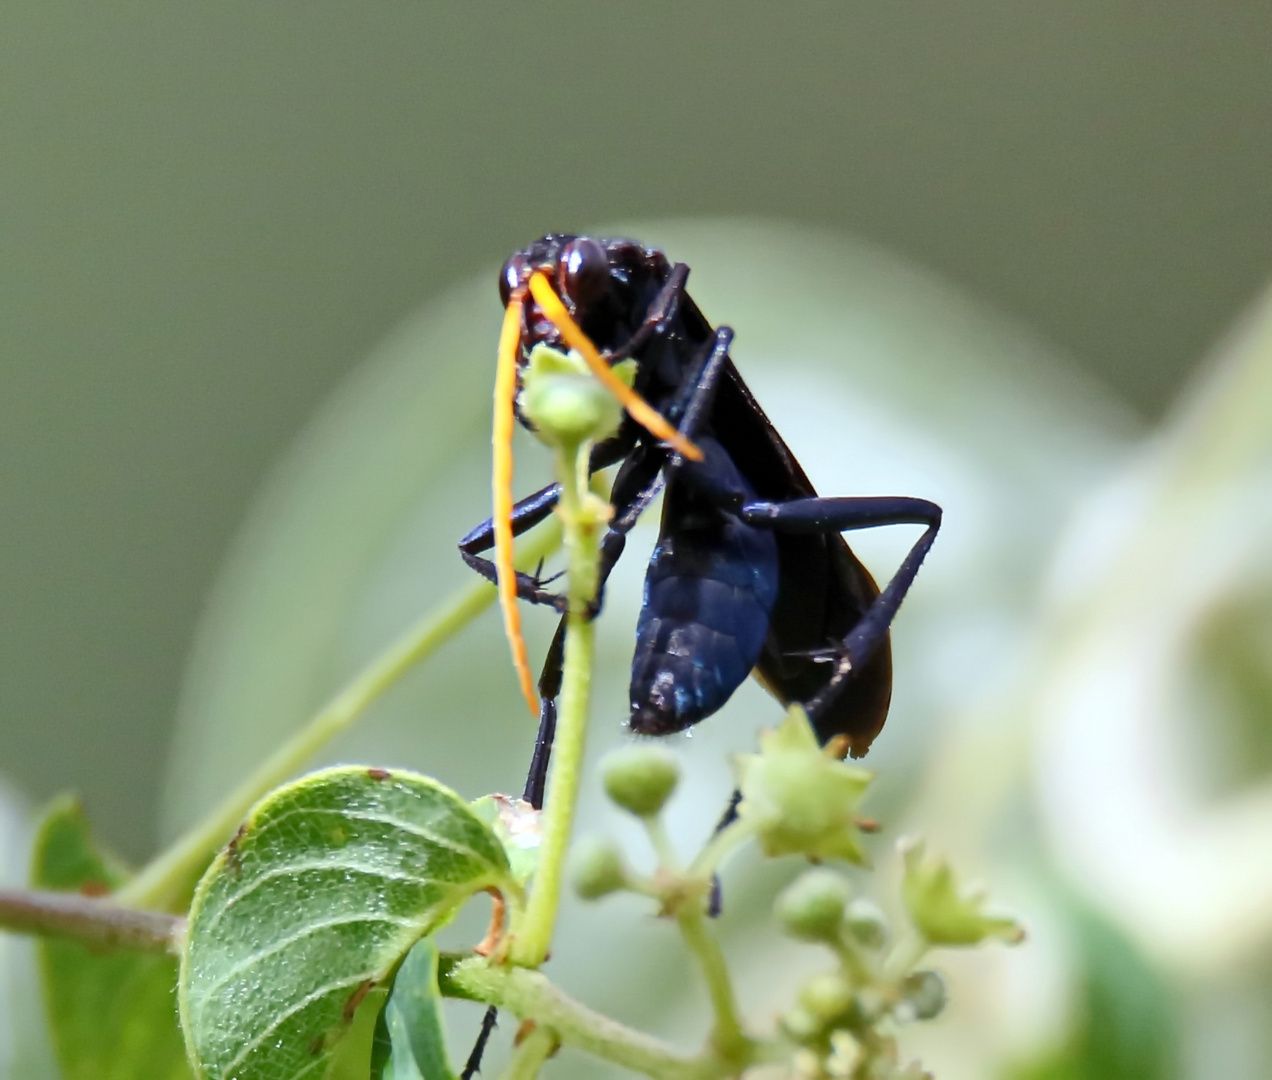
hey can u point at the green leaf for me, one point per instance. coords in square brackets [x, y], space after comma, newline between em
[112, 1015]
[410, 1039]
[313, 905]
[1128, 1023]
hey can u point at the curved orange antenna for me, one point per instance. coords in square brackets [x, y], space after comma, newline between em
[501, 438]
[640, 409]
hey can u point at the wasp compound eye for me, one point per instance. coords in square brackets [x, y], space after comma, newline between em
[512, 275]
[583, 271]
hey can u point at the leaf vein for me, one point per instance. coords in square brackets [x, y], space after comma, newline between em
[257, 1040]
[210, 920]
[258, 955]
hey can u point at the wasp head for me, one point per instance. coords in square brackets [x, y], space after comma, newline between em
[606, 285]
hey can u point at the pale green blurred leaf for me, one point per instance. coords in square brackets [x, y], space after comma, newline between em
[112, 1015]
[1126, 1027]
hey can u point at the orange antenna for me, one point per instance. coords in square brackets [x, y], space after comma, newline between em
[505, 571]
[640, 409]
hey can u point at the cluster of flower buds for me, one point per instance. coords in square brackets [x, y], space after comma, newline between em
[800, 799]
[837, 1018]
[639, 779]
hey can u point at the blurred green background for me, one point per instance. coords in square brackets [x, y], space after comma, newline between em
[210, 212]
[209, 215]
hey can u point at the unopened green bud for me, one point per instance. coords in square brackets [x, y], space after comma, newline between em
[845, 1057]
[563, 400]
[640, 779]
[866, 924]
[801, 1025]
[598, 869]
[924, 994]
[826, 998]
[812, 906]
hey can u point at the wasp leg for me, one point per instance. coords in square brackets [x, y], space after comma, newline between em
[473, 1065]
[525, 516]
[693, 403]
[659, 316]
[549, 688]
[823, 515]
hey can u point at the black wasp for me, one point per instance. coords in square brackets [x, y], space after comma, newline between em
[750, 573]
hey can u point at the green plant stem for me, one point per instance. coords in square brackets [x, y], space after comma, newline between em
[854, 961]
[732, 836]
[528, 1058]
[529, 995]
[100, 923]
[661, 842]
[579, 513]
[168, 878]
[905, 956]
[727, 1036]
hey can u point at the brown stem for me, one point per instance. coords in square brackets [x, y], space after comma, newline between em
[92, 921]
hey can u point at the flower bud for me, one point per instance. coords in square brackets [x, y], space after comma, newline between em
[801, 1025]
[564, 402]
[640, 779]
[812, 906]
[944, 913]
[598, 869]
[826, 998]
[866, 924]
[799, 799]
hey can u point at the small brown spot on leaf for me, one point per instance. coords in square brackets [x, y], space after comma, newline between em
[232, 858]
[94, 888]
[355, 999]
[379, 774]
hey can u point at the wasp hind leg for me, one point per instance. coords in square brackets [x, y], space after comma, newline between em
[836, 515]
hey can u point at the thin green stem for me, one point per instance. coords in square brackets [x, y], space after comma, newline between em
[854, 961]
[166, 881]
[905, 956]
[732, 836]
[100, 923]
[529, 1056]
[727, 1037]
[529, 995]
[582, 518]
[664, 850]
